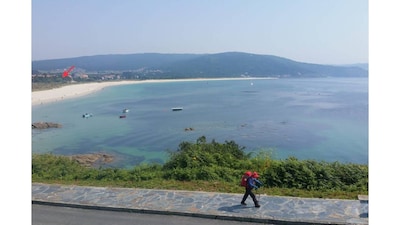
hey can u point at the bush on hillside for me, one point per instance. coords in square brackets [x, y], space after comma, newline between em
[206, 161]
[217, 162]
[312, 175]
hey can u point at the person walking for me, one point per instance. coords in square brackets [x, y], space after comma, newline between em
[252, 183]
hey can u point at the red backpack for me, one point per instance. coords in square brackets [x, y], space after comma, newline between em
[243, 182]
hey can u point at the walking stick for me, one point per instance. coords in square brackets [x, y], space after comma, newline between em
[258, 193]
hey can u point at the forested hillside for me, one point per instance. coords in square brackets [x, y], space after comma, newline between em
[229, 64]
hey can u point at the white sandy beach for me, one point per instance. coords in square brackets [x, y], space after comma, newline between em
[78, 90]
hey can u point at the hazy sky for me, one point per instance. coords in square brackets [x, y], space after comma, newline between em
[316, 31]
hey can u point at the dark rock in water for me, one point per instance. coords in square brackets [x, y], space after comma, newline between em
[45, 125]
[93, 159]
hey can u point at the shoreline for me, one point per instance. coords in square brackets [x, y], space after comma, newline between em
[79, 90]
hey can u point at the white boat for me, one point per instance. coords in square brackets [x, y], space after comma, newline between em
[125, 111]
[87, 115]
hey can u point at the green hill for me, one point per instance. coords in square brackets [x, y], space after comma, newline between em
[228, 64]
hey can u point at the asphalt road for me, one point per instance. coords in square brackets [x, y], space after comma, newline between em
[50, 215]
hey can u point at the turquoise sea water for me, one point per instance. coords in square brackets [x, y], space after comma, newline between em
[313, 118]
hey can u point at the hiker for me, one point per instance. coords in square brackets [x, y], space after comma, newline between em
[252, 182]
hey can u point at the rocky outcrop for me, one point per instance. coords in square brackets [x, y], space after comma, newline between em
[45, 125]
[93, 159]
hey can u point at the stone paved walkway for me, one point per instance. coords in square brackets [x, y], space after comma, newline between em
[273, 210]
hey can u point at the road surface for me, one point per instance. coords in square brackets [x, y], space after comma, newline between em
[50, 215]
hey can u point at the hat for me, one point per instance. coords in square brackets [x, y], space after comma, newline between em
[248, 173]
[255, 175]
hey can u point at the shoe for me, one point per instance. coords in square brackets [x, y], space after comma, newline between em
[242, 203]
[257, 206]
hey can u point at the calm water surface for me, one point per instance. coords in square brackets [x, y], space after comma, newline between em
[314, 118]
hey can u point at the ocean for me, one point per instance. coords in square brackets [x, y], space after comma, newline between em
[324, 119]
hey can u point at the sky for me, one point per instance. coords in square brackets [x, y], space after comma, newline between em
[315, 31]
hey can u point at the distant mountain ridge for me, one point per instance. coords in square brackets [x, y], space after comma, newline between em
[227, 64]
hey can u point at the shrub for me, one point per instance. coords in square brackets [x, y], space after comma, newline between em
[312, 175]
[48, 166]
[217, 162]
[203, 154]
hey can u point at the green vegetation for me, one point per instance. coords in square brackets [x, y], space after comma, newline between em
[217, 167]
[46, 86]
[41, 84]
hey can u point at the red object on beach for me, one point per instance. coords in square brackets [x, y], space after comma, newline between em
[66, 73]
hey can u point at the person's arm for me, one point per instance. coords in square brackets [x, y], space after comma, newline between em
[258, 183]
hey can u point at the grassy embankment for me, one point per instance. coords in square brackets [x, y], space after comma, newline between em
[215, 167]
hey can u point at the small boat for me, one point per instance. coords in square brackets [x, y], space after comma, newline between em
[177, 109]
[122, 116]
[87, 115]
[125, 111]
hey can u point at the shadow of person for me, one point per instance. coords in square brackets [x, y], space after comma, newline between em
[234, 208]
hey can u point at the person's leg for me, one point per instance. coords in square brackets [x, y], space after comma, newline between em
[253, 196]
[246, 194]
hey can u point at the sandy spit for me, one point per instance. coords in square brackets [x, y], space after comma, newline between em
[78, 90]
